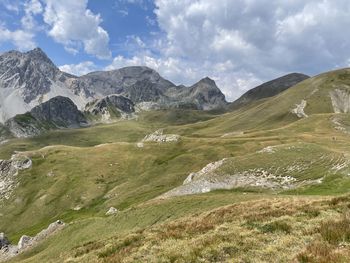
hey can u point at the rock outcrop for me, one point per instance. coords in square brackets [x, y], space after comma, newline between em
[158, 136]
[299, 109]
[8, 174]
[111, 211]
[8, 250]
[340, 100]
[4, 242]
[29, 79]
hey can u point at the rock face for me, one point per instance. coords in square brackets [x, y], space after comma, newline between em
[144, 85]
[111, 211]
[109, 108]
[8, 250]
[58, 112]
[158, 136]
[204, 95]
[30, 78]
[24, 242]
[8, 174]
[340, 100]
[269, 89]
[3, 240]
[136, 83]
[299, 109]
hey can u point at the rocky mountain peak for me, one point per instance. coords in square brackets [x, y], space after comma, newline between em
[208, 81]
[30, 78]
[205, 95]
[39, 55]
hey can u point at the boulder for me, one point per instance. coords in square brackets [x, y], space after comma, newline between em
[24, 242]
[4, 242]
[112, 211]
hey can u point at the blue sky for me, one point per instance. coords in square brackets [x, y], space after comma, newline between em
[238, 43]
[123, 20]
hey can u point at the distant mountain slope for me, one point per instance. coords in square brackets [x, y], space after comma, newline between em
[204, 95]
[27, 79]
[269, 89]
[58, 112]
[109, 108]
[326, 93]
[30, 78]
[142, 84]
[4, 133]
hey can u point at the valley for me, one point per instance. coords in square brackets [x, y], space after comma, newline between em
[261, 182]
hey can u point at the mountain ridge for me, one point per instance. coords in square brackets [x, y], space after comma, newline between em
[268, 89]
[30, 78]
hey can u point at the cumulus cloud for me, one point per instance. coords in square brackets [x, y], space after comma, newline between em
[186, 72]
[75, 26]
[79, 69]
[31, 9]
[241, 43]
[22, 39]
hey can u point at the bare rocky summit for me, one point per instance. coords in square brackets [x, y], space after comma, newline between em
[31, 78]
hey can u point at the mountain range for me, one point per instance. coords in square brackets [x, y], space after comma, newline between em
[30, 79]
[124, 166]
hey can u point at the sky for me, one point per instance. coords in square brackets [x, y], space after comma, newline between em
[238, 43]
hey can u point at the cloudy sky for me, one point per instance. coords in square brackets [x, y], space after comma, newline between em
[238, 43]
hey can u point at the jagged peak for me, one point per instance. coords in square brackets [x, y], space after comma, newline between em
[207, 81]
[39, 54]
[34, 54]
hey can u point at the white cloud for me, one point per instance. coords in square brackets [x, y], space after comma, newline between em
[185, 72]
[79, 69]
[74, 26]
[258, 39]
[22, 39]
[31, 8]
[11, 5]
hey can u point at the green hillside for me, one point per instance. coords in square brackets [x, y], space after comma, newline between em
[77, 175]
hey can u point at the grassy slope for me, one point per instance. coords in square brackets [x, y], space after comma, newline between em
[120, 174]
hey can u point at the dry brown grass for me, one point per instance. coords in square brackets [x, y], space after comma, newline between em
[323, 252]
[271, 230]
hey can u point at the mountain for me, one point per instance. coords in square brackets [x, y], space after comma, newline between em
[203, 95]
[268, 89]
[27, 79]
[136, 83]
[109, 108]
[57, 113]
[269, 182]
[30, 78]
[4, 133]
[143, 85]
